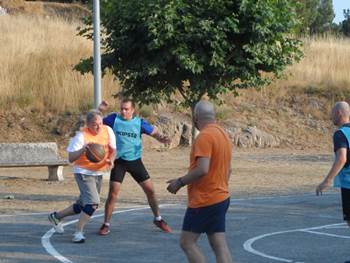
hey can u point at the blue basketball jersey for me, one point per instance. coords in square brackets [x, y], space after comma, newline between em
[343, 178]
[128, 138]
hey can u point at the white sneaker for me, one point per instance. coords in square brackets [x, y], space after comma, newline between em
[78, 237]
[56, 223]
[59, 228]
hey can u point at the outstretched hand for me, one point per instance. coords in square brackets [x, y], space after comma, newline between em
[103, 106]
[164, 139]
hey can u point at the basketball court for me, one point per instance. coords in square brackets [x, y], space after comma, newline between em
[300, 228]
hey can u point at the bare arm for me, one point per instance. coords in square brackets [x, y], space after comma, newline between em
[201, 169]
[338, 164]
[159, 137]
[73, 156]
[111, 157]
[229, 172]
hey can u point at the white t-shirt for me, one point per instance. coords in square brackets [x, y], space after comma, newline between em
[78, 142]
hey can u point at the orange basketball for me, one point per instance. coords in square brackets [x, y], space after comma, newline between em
[95, 152]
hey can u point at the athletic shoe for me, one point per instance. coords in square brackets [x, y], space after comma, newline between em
[78, 237]
[104, 230]
[162, 225]
[56, 223]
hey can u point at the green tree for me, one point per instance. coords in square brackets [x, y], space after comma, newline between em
[345, 25]
[324, 17]
[158, 48]
[307, 13]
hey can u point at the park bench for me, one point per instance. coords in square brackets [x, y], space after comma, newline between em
[31, 155]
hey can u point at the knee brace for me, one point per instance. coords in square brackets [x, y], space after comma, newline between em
[89, 209]
[77, 208]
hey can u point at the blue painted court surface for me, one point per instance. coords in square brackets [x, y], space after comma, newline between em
[301, 228]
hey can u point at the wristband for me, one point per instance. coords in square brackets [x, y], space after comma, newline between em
[181, 182]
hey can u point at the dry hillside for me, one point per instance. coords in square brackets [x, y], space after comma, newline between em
[41, 96]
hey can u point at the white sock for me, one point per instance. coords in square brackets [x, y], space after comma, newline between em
[107, 224]
[158, 218]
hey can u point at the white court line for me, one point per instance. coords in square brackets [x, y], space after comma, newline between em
[325, 234]
[45, 239]
[28, 214]
[248, 245]
[232, 201]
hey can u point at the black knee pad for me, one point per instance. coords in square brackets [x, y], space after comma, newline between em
[77, 208]
[90, 209]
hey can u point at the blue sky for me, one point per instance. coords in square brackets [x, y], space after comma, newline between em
[338, 6]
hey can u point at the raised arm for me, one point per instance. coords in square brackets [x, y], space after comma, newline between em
[160, 137]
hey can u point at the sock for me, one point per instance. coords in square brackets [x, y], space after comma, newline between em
[107, 224]
[158, 218]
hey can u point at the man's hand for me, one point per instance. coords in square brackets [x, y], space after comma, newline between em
[161, 138]
[321, 187]
[174, 185]
[110, 163]
[164, 139]
[103, 106]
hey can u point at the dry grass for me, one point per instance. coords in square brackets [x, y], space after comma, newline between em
[326, 64]
[323, 71]
[38, 55]
[37, 59]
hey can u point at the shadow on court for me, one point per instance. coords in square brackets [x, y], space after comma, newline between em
[301, 228]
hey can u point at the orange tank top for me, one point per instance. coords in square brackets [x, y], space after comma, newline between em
[101, 138]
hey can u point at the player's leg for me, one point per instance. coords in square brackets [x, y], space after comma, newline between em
[55, 218]
[114, 189]
[116, 179]
[345, 196]
[90, 198]
[188, 243]
[138, 171]
[219, 245]
[140, 174]
[215, 229]
[148, 188]
[89, 186]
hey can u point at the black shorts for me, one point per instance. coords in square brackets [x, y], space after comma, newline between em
[135, 168]
[345, 198]
[209, 219]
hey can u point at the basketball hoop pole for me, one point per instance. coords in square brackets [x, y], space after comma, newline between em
[97, 54]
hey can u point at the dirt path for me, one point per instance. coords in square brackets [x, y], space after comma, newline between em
[255, 173]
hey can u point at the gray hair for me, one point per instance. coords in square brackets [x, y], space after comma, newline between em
[92, 114]
[342, 106]
[204, 110]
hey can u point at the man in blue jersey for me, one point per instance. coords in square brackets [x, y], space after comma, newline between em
[128, 130]
[340, 170]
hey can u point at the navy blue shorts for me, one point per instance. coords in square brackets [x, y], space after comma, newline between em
[345, 196]
[208, 219]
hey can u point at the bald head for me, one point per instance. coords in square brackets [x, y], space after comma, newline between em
[204, 111]
[341, 113]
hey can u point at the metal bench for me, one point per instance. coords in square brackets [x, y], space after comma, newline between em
[31, 155]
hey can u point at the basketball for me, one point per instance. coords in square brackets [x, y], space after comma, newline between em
[95, 152]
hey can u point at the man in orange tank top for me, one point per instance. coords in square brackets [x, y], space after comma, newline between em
[88, 175]
[207, 180]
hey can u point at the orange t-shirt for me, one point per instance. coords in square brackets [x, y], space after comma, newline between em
[213, 143]
[101, 138]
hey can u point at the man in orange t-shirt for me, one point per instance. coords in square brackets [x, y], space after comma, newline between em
[88, 175]
[207, 180]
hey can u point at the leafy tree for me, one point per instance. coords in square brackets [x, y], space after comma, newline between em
[345, 25]
[307, 13]
[158, 48]
[324, 17]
